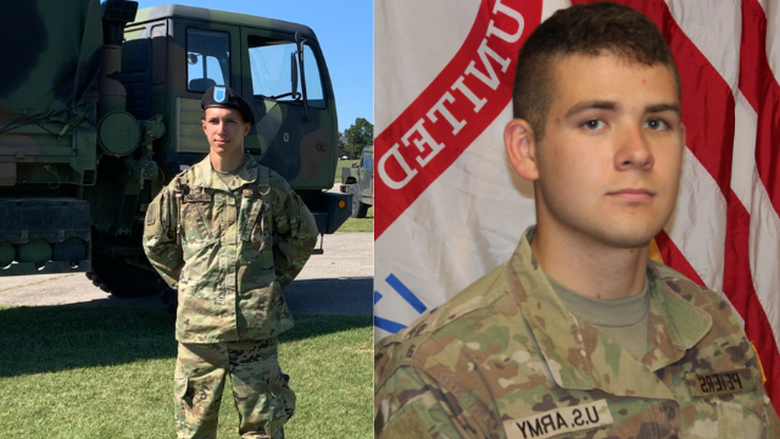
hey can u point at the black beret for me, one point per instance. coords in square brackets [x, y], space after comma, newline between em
[225, 97]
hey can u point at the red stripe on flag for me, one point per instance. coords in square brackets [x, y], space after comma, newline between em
[760, 88]
[423, 142]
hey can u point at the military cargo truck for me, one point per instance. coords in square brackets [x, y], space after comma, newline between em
[358, 181]
[100, 107]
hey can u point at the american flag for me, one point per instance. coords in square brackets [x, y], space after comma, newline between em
[449, 208]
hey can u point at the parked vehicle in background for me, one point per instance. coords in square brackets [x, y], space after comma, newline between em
[358, 181]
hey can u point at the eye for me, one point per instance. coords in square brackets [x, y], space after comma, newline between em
[656, 124]
[593, 124]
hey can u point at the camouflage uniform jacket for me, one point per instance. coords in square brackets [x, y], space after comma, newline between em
[506, 359]
[229, 251]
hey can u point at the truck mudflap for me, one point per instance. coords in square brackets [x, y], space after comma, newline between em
[44, 235]
[330, 209]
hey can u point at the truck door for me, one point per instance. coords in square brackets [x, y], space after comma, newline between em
[209, 58]
[285, 80]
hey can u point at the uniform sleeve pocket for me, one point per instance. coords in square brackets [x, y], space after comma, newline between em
[408, 423]
[735, 421]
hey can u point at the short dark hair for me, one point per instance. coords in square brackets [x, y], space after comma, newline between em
[587, 29]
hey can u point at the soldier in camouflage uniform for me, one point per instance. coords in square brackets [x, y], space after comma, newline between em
[580, 334]
[229, 234]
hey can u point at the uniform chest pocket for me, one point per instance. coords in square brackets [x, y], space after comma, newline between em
[196, 225]
[257, 228]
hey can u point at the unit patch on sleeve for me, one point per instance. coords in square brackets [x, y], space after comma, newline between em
[559, 421]
[717, 383]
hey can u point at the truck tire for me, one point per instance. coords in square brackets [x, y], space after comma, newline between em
[363, 210]
[123, 279]
[359, 209]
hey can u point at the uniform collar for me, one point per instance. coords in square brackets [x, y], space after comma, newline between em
[206, 177]
[685, 323]
[579, 357]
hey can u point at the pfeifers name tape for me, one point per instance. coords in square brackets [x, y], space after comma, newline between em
[559, 421]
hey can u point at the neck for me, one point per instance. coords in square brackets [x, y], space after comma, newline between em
[226, 162]
[589, 267]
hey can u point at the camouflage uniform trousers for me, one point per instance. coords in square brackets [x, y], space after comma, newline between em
[261, 393]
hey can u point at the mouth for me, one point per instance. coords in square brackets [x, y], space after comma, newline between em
[632, 195]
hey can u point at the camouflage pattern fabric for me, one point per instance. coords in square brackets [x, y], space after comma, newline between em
[229, 250]
[506, 359]
[261, 392]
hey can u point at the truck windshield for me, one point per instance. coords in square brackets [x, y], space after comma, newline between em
[368, 162]
[273, 77]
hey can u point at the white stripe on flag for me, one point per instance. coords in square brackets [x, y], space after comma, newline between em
[698, 226]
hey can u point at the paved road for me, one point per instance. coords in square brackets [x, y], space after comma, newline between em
[340, 281]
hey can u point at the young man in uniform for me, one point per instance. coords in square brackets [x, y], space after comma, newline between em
[229, 234]
[580, 334]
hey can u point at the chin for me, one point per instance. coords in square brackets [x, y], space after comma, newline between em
[635, 230]
[628, 238]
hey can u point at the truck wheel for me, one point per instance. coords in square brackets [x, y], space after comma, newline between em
[121, 278]
[359, 209]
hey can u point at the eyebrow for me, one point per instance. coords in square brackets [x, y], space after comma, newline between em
[660, 108]
[614, 106]
[226, 118]
[592, 105]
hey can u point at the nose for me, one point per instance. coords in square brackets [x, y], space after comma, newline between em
[633, 150]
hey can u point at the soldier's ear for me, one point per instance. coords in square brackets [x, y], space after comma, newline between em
[247, 127]
[521, 147]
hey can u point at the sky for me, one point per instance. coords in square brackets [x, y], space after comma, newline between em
[345, 31]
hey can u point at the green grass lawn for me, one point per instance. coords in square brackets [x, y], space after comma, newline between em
[80, 372]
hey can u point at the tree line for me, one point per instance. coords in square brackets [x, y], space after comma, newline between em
[359, 135]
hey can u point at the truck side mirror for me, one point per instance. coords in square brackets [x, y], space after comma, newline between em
[294, 75]
[299, 43]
